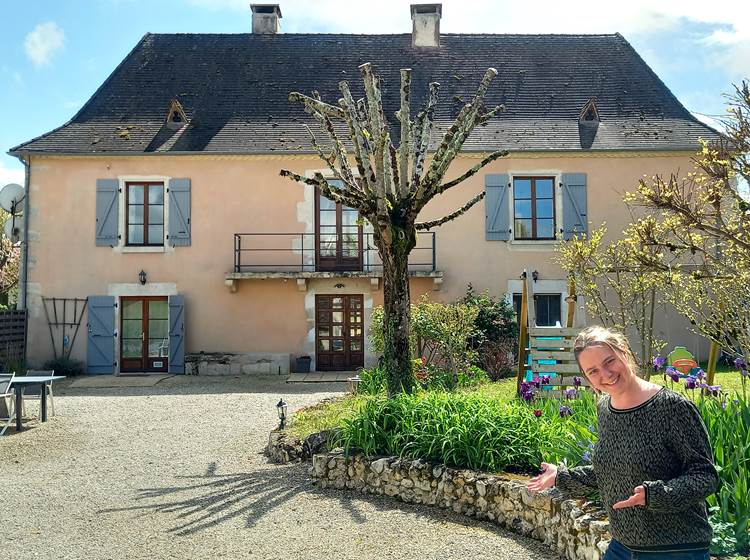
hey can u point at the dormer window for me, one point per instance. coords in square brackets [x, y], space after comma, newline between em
[589, 113]
[176, 115]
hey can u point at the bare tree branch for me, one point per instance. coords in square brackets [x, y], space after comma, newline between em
[449, 217]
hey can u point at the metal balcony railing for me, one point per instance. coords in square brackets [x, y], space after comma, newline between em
[308, 252]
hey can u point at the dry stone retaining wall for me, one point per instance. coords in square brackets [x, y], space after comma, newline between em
[577, 530]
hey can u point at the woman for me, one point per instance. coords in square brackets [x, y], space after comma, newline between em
[652, 464]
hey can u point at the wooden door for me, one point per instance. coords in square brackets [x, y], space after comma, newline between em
[339, 332]
[144, 328]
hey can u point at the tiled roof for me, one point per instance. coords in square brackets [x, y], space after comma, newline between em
[234, 91]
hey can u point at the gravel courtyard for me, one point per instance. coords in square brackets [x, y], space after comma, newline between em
[177, 471]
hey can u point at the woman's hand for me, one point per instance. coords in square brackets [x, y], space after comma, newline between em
[637, 499]
[544, 480]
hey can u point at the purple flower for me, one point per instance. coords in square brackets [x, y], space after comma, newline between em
[700, 374]
[691, 383]
[586, 456]
[570, 393]
[577, 381]
[537, 413]
[565, 411]
[740, 363]
[527, 395]
[674, 377]
[713, 390]
[658, 362]
[745, 373]
[545, 379]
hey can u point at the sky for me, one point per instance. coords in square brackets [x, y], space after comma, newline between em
[54, 54]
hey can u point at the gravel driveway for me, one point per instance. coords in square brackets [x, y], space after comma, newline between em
[176, 471]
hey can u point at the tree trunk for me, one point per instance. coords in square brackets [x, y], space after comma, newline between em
[397, 357]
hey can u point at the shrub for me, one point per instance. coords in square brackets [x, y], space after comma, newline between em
[65, 366]
[498, 358]
[496, 319]
[468, 430]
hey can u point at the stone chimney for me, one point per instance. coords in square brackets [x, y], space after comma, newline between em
[266, 19]
[426, 25]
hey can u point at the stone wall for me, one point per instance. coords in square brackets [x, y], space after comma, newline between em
[228, 363]
[577, 530]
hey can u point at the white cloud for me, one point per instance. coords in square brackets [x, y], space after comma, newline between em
[43, 42]
[10, 174]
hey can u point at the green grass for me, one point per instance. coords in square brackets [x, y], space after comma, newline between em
[325, 415]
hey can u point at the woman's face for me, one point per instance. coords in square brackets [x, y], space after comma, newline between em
[605, 369]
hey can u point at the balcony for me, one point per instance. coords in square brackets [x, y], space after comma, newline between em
[305, 256]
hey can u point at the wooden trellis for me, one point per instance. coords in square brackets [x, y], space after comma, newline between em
[550, 348]
[64, 319]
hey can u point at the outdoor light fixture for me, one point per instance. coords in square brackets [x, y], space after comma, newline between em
[338, 286]
[535, 275]
[142, 277]
[281, 409]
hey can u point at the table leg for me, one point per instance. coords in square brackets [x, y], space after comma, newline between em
[43, 403]
[19, 404]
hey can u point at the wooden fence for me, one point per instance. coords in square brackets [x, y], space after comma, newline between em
[12, 339]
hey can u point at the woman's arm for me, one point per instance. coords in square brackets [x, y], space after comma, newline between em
[698, 478]
[577, 481]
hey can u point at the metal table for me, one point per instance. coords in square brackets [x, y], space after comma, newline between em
[43, 381]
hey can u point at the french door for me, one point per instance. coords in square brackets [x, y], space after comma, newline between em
[338, 237]
[144, 328]
[339, 336]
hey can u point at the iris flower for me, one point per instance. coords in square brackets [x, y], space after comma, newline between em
[564, 411]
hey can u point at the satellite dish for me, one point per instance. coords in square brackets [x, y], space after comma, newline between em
[10, 195]
[14, 229]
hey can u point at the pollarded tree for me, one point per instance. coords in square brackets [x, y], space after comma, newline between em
[391, 185]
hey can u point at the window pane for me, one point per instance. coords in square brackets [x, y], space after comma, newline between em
[337, 345]
[355, 319]
[132, 328]
[544, 188]
[337, 317]
[547, 309]
[544, 208]
[337, 302]
[158, 309]
[523, 209]
[355, 303]
[135, 194]
[326, 204]
[355, 331]
[356, 345]
[522, 188]
[158, 348]
[328, 218]
[156, 214]
[324, 331]
[132, 309]
[132, 348]
[155, 194]
[335, 183]
[325, 344]
[349, 217]
[156, 234]
[158, 328]
[338, 330]
[135, 235]
[135, 214]
[328, 245]
[545, 228]
[523, 229]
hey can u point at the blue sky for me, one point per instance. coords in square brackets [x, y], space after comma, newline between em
[56, 53]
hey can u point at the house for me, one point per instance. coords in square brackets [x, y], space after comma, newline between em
[160, 201]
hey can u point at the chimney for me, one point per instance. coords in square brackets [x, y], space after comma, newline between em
[426, 25]
[266, 19]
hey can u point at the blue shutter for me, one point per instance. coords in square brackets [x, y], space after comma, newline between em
[100, 353]
[575, 213]
[107, 217]
[497, 207]
[179, 212]
[176, 334]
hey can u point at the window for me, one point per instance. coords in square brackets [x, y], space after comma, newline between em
[534, 207]
[145, 214]
[548, 312]
[339, 235]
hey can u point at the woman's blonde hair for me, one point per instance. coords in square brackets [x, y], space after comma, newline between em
[602, 336]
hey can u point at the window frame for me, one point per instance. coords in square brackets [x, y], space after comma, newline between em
[533, 200]
[146, 185]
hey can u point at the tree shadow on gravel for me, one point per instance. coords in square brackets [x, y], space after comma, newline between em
[203, 501]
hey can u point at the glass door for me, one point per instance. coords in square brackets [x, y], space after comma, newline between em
[338, 236]
[144, 334]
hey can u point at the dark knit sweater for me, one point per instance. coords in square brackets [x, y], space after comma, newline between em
[663, 445]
